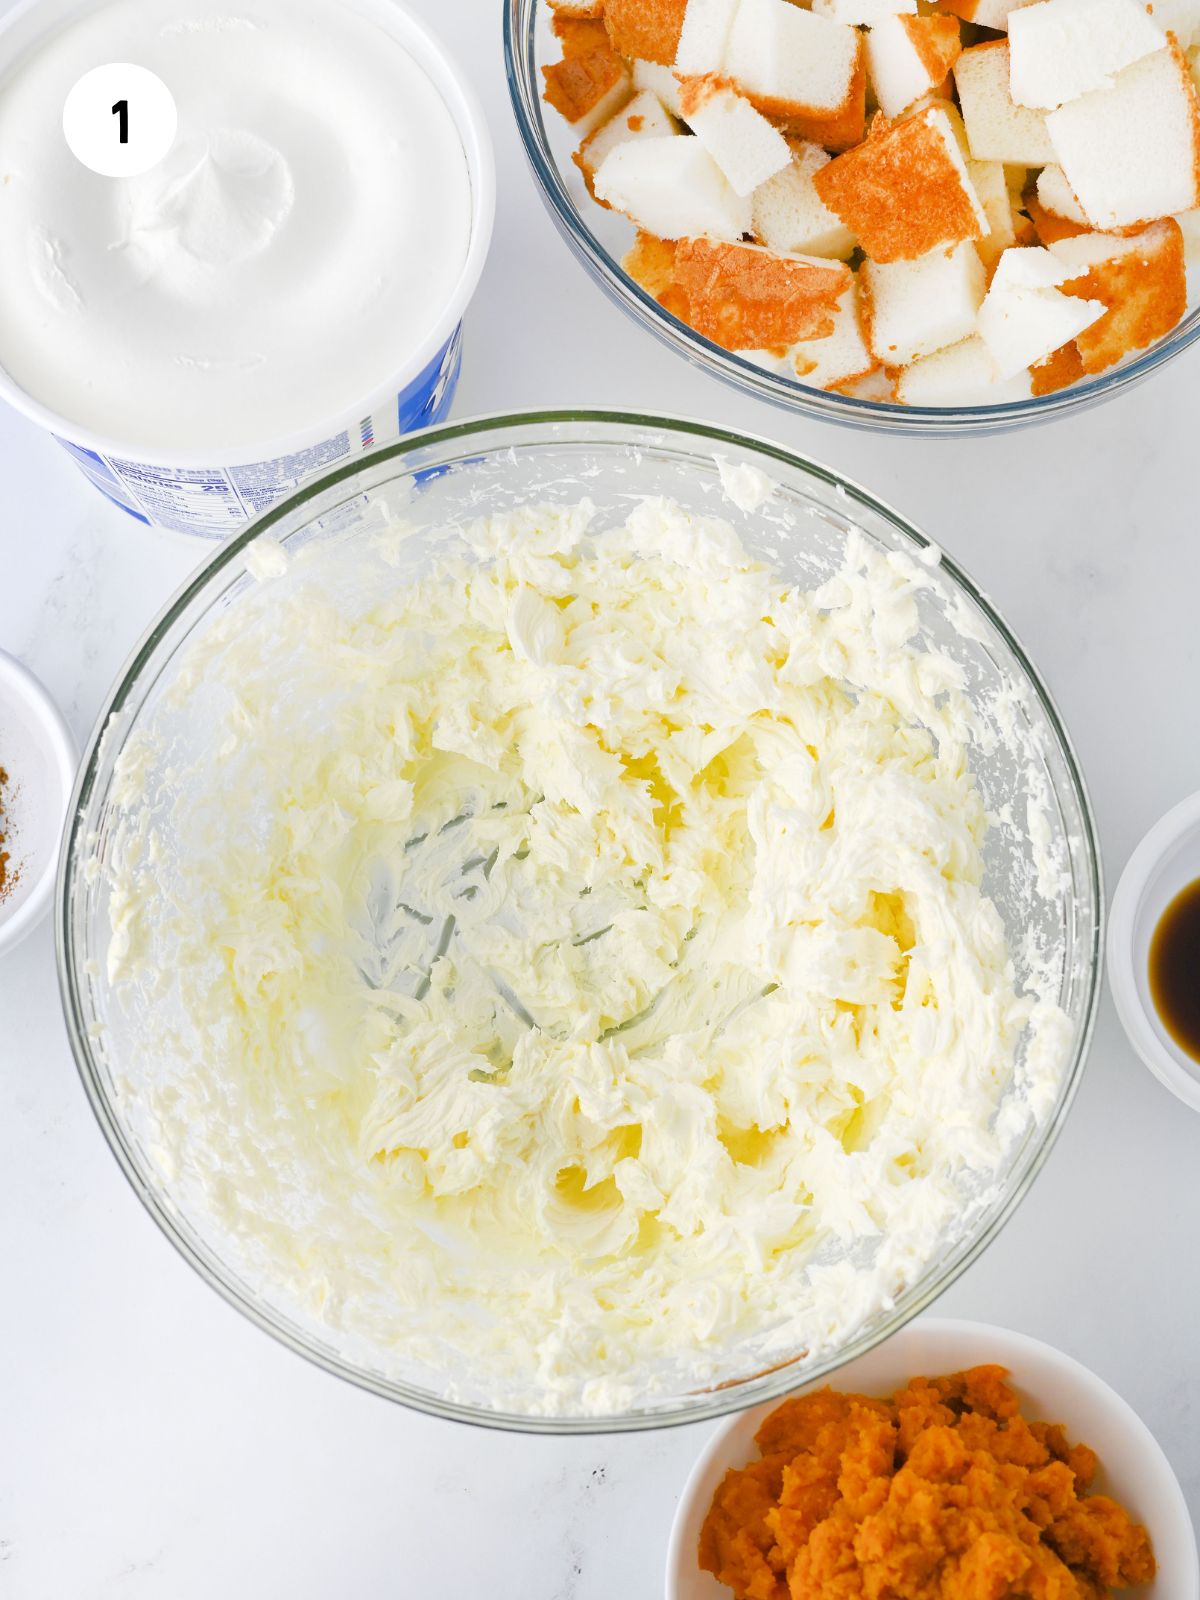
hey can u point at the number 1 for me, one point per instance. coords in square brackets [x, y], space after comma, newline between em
[121, 112]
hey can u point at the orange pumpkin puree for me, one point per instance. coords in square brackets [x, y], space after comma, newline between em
[944, 1492]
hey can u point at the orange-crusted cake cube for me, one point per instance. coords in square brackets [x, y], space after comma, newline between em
[579, 36]
[906, 191]
[1056, 195]
[1048, 225]
[651, 262]
[1058, 371]
[841, 129]
[746, 298]
[807, 74]
[1142, 280]
[587, 88]
[646, 30]
[909, 56]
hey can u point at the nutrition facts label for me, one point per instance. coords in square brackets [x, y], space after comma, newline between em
[189, 499]
[216, 501]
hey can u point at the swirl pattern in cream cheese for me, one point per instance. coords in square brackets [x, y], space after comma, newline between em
[583, 960]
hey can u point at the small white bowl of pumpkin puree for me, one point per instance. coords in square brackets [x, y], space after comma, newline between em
[952, 1462]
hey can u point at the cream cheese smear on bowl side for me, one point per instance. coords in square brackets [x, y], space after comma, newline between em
[570, 962]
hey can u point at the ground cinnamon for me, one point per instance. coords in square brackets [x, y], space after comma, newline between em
[7, 877]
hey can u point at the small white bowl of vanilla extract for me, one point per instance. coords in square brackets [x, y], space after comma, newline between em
[1154, 950]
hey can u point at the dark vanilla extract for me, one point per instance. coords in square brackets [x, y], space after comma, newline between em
[1175, 969]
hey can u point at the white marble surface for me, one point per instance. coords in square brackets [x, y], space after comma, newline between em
[152, 1444]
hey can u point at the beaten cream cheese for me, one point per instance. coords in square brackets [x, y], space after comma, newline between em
[282, 263]
[572, 967]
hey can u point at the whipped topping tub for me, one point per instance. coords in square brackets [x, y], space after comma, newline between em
[282, 291]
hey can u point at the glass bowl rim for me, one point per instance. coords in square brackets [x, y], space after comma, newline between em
[738, 1394]
[826, 405]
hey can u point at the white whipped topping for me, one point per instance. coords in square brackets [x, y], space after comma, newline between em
[570, 968]
[211, 202]
[281, 264]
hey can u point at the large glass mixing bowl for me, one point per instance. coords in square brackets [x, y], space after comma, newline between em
[442, 478]
[599, 238]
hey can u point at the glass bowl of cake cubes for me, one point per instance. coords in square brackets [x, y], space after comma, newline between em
[946, 215]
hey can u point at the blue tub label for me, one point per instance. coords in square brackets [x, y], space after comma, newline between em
[216, 501]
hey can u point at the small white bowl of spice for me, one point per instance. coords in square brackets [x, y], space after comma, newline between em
[37, 770]
[1154, 950]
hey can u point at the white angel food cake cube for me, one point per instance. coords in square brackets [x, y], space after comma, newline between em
[790, 216]
[1025, 316]
[747, 148]
[704, 37]
[1057, 195]
[660, 81]
[879, 386]
[1180, 17]
[993, 14]
[1132, 153]
[862, 13]
[801, 70]
[672, 188]
[1046, 223]
[1189, 226]
[997, 128]
[1061, 49]
[643, 118]
[990, 183]
[909, 56]
[842, 356]
[791, 58]
[963, 374]
[916, 307]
